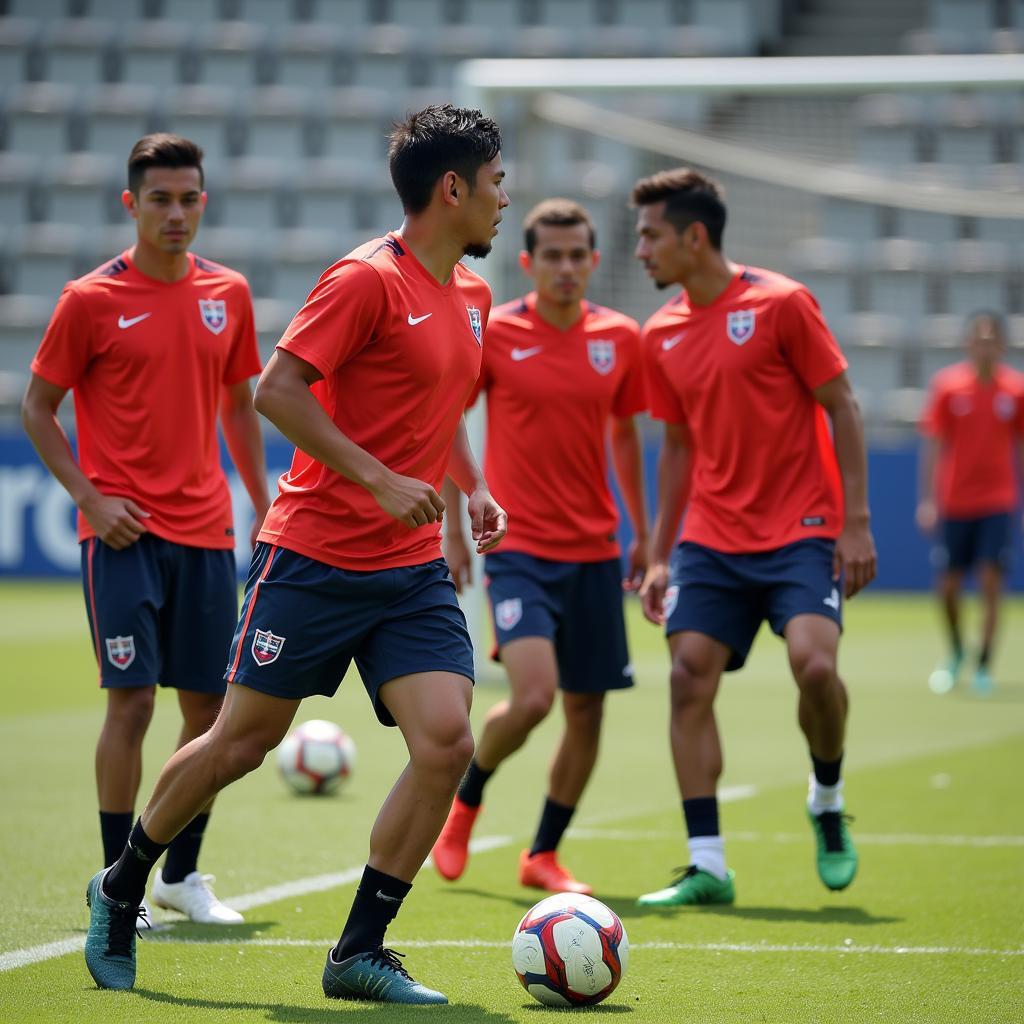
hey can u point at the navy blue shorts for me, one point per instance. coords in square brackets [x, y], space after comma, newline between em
[727, 597]
[160, 612]
[303, 622]
[966, 542]
[576, 605]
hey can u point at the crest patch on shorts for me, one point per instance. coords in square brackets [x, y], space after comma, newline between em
[266, 647]
[120, 651]
[508, 613]
[671, 600]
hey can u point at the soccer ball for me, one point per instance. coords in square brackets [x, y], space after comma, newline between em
[316, 757]
[570, 950]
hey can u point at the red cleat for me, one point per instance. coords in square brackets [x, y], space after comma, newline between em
[451, 851]
[542, 871]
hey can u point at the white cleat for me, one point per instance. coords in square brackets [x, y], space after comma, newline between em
[146, 919]
[194, 898]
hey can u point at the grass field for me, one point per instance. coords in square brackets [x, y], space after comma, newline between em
[932, 929]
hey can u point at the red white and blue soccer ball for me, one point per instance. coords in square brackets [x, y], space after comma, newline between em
[570, 950]
[316, 757]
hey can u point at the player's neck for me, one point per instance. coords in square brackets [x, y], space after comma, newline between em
[162, 266]
[708, 282]
[437, 251]
[558, 314]
[985, 372]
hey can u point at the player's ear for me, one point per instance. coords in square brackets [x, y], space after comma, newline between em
[128, 201]
[202, 199]
[451, 186]
[525, 262]
[595, 259]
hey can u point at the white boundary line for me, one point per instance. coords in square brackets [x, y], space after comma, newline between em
[862, 838]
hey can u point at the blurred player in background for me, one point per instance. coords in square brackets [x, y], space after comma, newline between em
[562, 377]
[743, 370]
[973, 449]
[154, 344]
[370, 381]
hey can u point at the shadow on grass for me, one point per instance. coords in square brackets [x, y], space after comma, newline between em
[340, 1011]
[182, 930]
[627, 908]
[1004, 693]
[599, 1008]
[517, 900]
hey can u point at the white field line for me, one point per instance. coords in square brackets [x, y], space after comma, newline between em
[707, 947]
[860, 838]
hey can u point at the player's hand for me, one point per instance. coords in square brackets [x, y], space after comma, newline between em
[637, 570]
[456, 554]
[257, 524]
[118, 522]
[409, 500]
[855, 557]
[488, 520]
[927, 516]
[652, 593]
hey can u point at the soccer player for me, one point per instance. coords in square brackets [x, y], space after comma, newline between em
[154, 344]
[973, 430]
[370, 381]
[746, 376]
[561, 375]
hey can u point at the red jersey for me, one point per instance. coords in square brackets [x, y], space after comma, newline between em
[549, 395]
[399, 354]
[976, 424]
[740, 374]
[147, 362]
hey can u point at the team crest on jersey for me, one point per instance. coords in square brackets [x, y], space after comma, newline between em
[601, 354]
[1004, 406]
[670, 601]
[214, 313]
[740, 326]
[508, 613]
[266, 646]
[120, 651]
[477, 323]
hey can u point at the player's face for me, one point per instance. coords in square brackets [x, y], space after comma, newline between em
[561, 262]
[168, 207]
[984, 345]
[483, 206]
[665, 252]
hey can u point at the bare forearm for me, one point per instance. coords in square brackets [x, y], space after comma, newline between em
[851, 454]
[627, 458]
[463, 468]
[926, 473]
[245, 444]
[673, 492]
[452, 497]
[50, 441]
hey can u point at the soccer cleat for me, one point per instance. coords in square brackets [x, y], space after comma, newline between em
[982, 682]
[378, 976]
[837, 856]
[693, 888]
[542, 871]
[194, 898]
[451, 851]
[943, 679]
[110, 942]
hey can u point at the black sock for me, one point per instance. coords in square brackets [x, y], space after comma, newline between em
[827, 772]
[183, 853]
[471, 789]
[986, 653]
[956, 642]
[378, 899]
[554, 820]
[126, 880]
[701, 814]
[115, 828]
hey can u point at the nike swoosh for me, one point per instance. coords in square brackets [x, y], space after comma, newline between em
[414, 320]
[123, 323]
[670, 343]
[519, 354]
[384, 896]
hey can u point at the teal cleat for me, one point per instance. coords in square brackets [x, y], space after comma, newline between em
[837, 856]
[693, 888]
[110, 944]
[982, 682]
[378, 976]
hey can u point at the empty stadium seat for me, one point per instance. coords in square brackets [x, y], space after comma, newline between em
[233, 55]
[273, 122]
[311, 56]
[18, 38]
[899, 278]
[37, 119]
[19, 178]
[23, 319]
[825, 266]
[155, 52]
[207, 116]
[116, 116]
[46, 257]
[249, 195]
[888, 130]
[85, 189]
[975, 276]
[79, 51]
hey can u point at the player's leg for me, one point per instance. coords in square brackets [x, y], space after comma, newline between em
[954, 556]
[993, 556]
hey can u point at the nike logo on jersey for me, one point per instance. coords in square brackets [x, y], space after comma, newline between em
[414, 320]
[519, 354]
[832, 600]
[670, 343]
[123, 322]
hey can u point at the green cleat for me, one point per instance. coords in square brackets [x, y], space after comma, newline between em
[378, 976]
[110, 943]
[837, 856]
[692, 888]
[982, 682]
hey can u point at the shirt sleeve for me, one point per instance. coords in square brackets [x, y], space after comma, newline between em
[935, 417]
[631, 397]
[662, 399]
[244, 358]
[66, 348]
[807, 342]
[341, 316]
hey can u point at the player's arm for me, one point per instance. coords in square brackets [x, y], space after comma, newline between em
[627, 459]
[1020, 464]
[283, 396]
[117, 521]
[242, 435]
[674, 465]
[927, 511]
[855, 547]
[453, 539]
[487, 518]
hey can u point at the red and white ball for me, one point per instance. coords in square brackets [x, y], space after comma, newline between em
[316, 757]
[570, 950]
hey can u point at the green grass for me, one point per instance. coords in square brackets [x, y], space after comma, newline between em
[928, 779]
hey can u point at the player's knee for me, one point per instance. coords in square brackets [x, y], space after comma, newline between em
[815, 672]
[584, 717]
[446, 753]
[237, 757]
[690, 689]
[132, 712]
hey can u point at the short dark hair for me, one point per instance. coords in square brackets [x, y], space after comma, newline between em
[435, 140]
[689, 196]
[556, 212]
[997, 320]
[161, 149]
